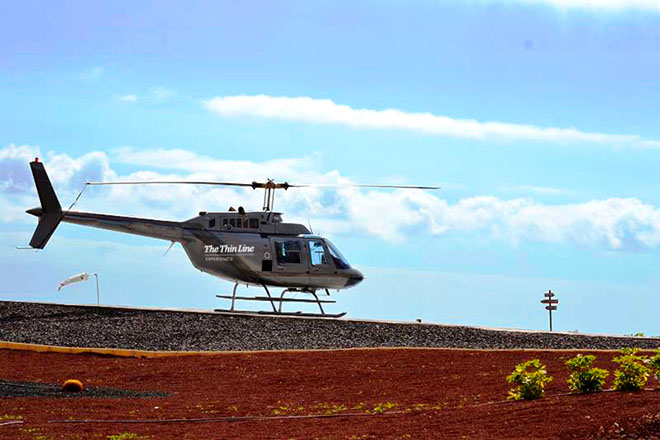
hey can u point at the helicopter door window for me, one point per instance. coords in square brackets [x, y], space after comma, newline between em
[317, 253]
[288, 252]
[232, 222]
[212, 223]
[254, 223]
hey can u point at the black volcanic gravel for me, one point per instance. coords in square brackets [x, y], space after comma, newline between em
[33, 389]
[111, 327]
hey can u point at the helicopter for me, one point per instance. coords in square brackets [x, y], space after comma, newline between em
[244, 247]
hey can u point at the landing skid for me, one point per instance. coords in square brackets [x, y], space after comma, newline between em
[288, 314]
[276, 303]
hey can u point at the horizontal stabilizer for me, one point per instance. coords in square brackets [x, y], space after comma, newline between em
[47, 225]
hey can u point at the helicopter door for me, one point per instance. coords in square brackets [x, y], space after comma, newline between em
[290, 256]
[319, 261]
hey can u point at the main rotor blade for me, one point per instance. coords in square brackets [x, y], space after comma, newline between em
[255, 185]
[357, 185]
[170, 182]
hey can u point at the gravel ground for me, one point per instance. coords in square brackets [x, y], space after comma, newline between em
[33, 389]
[98, 326]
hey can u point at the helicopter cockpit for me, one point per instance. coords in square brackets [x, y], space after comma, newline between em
[320, 253]
[337, 257]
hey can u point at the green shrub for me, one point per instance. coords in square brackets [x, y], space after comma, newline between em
[654, 365]
[584, 378]
[125, 436]
[531, 378]
[632, 373]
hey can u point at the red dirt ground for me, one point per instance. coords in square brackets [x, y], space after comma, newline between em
[424, 393]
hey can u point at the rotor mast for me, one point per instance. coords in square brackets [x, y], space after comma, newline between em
[269, 198]
[269, 192]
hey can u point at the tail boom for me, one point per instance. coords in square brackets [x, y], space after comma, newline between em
[161, 229]
[50, 215]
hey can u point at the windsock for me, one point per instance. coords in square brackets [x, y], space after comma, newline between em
[74, 279]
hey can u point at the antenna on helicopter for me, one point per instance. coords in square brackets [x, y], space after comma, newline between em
[170, 247]
[269, 186]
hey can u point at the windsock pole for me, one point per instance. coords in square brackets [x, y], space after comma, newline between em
[98, 297]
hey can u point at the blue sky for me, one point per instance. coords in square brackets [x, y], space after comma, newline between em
[538, 118]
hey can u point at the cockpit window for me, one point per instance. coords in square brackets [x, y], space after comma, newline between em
[317, 253]
[340, 261]
[288, 252]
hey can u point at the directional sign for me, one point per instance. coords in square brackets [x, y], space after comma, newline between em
[551, 304]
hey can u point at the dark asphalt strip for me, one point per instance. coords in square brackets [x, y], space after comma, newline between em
[171, 330]
[34, 389]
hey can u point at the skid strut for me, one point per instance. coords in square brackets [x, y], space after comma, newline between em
[277, 309]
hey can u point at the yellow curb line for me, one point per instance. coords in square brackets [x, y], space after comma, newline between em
[121, 352]
[118, 352]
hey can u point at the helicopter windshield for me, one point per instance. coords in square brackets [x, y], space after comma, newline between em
[339, 260]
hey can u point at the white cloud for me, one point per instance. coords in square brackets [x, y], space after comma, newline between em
[598, 5]
[204, 167]
[127, 98]
[615, 223]
[325, 111]
[67, 174]
[14, 173]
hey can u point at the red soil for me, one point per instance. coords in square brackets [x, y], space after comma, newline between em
[433, 393]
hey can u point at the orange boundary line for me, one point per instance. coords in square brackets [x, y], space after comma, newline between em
[127, 353]
[119, 352]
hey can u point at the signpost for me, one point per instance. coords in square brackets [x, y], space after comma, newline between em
[551, 304]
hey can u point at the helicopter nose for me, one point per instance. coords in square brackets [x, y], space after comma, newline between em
[354, 278]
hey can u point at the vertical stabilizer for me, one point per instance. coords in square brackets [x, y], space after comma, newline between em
[49, 202]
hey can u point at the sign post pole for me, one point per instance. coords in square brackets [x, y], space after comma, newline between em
[551, 304]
